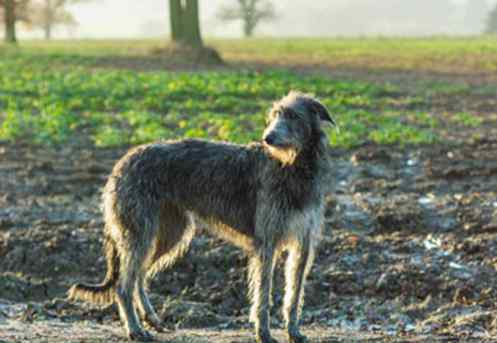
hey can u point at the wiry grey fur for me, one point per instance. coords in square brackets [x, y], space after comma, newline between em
[264, 197]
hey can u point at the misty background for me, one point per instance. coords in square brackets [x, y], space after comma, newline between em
[298, 18]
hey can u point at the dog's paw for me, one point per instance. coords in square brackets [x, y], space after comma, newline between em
[265, 339]
[154, 323]
[140, 336]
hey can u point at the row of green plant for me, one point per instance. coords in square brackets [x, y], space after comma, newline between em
[49, 101]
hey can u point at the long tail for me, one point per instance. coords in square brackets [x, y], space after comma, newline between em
[103, 293]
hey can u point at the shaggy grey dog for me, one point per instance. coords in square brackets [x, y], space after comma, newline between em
[264, 197]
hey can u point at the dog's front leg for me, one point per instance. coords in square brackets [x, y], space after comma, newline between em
[298, 264]
[261, 268]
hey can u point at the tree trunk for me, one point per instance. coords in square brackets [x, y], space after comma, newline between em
[48, 31]
[249, 20]
[176, 17]
[47, 18]
[248, 28]
[185, 25]
[191, 24]
[10, 21]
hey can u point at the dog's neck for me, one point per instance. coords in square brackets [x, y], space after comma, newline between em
[309, 159]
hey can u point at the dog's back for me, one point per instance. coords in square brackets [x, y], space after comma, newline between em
[216, 181]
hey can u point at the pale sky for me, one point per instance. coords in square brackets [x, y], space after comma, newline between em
[149, 18]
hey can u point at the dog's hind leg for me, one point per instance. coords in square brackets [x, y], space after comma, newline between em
[144, 306]
[176, 230]
[134, 255]
[298, 265]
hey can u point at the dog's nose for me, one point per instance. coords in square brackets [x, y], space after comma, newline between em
[269, 139]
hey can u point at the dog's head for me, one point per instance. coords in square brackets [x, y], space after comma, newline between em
[294, 124]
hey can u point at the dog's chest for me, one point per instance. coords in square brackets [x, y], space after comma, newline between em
[306, 223]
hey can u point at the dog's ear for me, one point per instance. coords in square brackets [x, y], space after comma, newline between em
[321, 110]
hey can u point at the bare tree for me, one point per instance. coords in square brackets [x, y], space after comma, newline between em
[250, 12]
[46, 14]
[12, 11]
[492, 22]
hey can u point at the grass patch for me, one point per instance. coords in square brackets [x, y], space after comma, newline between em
[441, 54]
